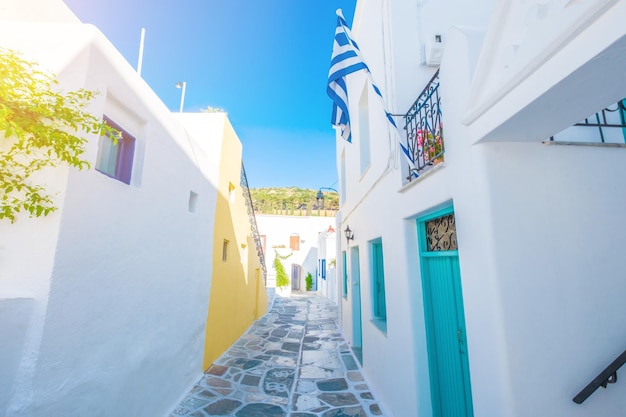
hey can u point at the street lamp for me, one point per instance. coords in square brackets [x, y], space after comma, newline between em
[320, 196]
[349, 235]
[183, 85]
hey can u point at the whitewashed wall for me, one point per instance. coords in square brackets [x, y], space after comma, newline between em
[327, 251]
[539, 239]
[539, 243]
[119, 277]
[278, 229]
[376, 207]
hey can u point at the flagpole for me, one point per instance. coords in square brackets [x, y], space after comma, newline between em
[140, 59]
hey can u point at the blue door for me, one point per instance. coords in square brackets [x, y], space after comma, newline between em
[355, 274]
[445, 320]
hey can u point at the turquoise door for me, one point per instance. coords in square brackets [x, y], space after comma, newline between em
[445, 320]
[355, 273]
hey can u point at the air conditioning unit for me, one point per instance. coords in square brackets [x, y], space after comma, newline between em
[434, 51]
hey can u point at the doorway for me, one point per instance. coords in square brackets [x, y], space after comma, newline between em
[296, 271]
[445, 319]
[357, 327]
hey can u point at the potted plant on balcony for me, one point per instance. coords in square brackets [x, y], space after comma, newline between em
[430, 145]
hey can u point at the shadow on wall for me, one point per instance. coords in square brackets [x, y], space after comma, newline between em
[237, 290]
[309, 264]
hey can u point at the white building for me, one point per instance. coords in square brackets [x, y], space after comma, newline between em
[328, 286]
[103, 303]
[492, 284]
[296, 238]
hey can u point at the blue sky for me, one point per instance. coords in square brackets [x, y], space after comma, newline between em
[264, 62]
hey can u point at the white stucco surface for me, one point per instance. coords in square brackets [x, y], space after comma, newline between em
[277, 231]
[538, 224]
[328, 286]
[118, 278]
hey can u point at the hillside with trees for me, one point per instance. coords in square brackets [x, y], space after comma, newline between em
[293, 201]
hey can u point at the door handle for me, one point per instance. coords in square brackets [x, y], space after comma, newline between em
[459, 336]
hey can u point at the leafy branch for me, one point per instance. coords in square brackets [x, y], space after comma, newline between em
[282, 279]
[39, 128]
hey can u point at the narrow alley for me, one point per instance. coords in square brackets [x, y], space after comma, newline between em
[293, 362]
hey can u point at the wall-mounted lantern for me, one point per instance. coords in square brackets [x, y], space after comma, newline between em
[349, 234]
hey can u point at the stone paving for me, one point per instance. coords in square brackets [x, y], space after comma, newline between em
[293, 362]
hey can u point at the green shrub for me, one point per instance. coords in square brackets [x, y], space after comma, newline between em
[282, 280]
[309, 281]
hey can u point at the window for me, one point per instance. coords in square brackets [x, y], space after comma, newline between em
[364, 130]
[231, 192]
[344, 191]
[294, 242]
[225, 251]
[193, 201]
[378, 277]
[345, 275]
[116, 159]
[441, 234]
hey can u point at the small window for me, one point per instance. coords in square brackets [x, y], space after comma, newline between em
[294, 242]
[364, 130]
[231, 192]
[225, 251]
[193, 201]
[116, 159]
[343, 190]
[441, 234]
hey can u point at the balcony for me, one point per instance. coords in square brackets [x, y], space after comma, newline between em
[424, 130]
[606, 126]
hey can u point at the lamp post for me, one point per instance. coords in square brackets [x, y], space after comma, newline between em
[320, 196]
[349, 235]
[183, 85]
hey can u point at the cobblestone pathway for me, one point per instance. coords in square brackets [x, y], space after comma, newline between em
[293, 362]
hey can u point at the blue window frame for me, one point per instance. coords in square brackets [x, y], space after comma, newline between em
[115, 158]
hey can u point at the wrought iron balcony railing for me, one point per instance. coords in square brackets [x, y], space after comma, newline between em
[606, 126]
[253, 225]
[424, 129]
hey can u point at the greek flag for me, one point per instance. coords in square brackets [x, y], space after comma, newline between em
[346, 59]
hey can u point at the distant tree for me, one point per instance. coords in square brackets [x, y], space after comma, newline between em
[281, 200]
[39, 127]
[210, 109]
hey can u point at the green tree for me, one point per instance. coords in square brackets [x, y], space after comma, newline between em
[39, 127]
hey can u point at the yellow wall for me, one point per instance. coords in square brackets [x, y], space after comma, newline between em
[238, 294]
